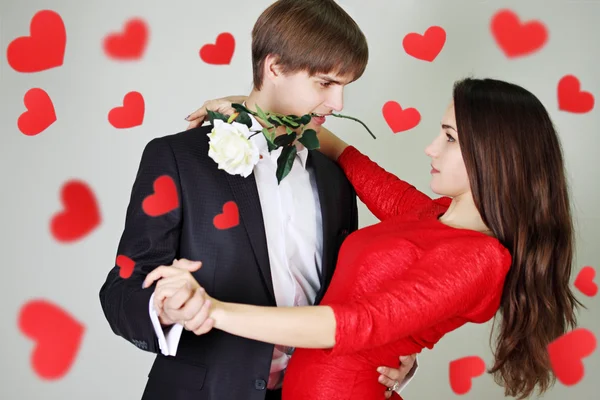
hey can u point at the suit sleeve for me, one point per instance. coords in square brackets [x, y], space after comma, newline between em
[150, 238]
[448, 282]
[384, 194]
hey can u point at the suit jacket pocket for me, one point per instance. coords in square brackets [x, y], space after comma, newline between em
[178, 374]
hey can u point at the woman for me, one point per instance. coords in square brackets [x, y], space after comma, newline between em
[499, 239]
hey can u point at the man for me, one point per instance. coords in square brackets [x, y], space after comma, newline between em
[259, 242]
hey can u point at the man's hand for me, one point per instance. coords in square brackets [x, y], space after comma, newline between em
[179, 298]
[222, 105]
[389, 376]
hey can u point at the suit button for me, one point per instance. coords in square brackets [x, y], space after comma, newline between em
[260, 384]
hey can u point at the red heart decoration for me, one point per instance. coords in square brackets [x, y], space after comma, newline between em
[81, 215]
[40, 112]
[571, 98]
[229, 218]
[57, 335]
[130, 114]
[125, 265]
[585, 281]
[515, 38]
[425, 47]
[220, 53]
[398, 119]
[566, 354]
[44, 49]
[463, 370]
[164, 199]
[130, 44]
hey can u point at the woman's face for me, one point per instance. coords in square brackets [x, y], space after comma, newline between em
[449, 175]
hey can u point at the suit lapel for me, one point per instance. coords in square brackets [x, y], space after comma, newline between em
[245, 194]
[322, 176]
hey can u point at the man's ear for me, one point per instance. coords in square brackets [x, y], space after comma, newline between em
[272, 69]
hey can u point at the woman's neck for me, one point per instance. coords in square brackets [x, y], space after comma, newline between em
[463, 214]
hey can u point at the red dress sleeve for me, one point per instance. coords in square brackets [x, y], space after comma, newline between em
[382, 192]
[458, 279]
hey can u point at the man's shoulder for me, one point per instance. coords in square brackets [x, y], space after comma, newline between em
[322, 162]
[189, 139]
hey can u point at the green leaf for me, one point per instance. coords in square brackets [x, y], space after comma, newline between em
[289, 130]
[275, 120]
[309, 139]
[212, 115]
[305, 119]
[285, 162]
[261, 114]
[289, 122]
[270, 136]
[285, 140]
[239, 108]
[244, 118]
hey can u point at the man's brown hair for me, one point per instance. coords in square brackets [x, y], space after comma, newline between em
[316, 36]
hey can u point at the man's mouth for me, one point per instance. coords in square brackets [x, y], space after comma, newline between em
[319, 118]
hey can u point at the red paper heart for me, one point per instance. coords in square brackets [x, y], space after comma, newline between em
[229, 218]
[566, 354]
[463, 370]
[40, 112]
[221, 52]
[57, 335]
[517, 39]
[425, 47]
[130, 114]
[130, 44]
[164, 199]
[571, 98]
[44, 49]
[125, 265]
[81, 215]
[398, 119]
[585, 281]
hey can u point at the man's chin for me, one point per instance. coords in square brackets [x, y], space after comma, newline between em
[313, 126]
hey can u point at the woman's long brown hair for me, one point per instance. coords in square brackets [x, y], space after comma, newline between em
[514, 160]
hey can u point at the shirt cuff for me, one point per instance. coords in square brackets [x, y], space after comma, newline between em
[409, 376]
[168, 338]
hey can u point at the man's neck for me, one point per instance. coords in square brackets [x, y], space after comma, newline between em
[266, 103]
[261, 99]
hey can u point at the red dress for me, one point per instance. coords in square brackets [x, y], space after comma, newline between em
[399, 286]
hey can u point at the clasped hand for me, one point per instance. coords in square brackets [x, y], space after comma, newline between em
[178, 297]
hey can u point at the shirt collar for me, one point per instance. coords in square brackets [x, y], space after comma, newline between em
[263, 148]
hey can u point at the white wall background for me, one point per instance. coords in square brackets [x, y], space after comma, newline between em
[174, 81]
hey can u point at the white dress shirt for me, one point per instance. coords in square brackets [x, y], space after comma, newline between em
[294, 233]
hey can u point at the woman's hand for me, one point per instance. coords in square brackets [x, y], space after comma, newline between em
[222, 105]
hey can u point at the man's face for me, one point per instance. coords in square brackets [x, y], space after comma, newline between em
[299, 93]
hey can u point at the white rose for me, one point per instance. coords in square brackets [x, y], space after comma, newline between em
[230, 148]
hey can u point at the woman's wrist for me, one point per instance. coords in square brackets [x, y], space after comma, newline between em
[218, 312]
[237, 99]
[331, 145]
